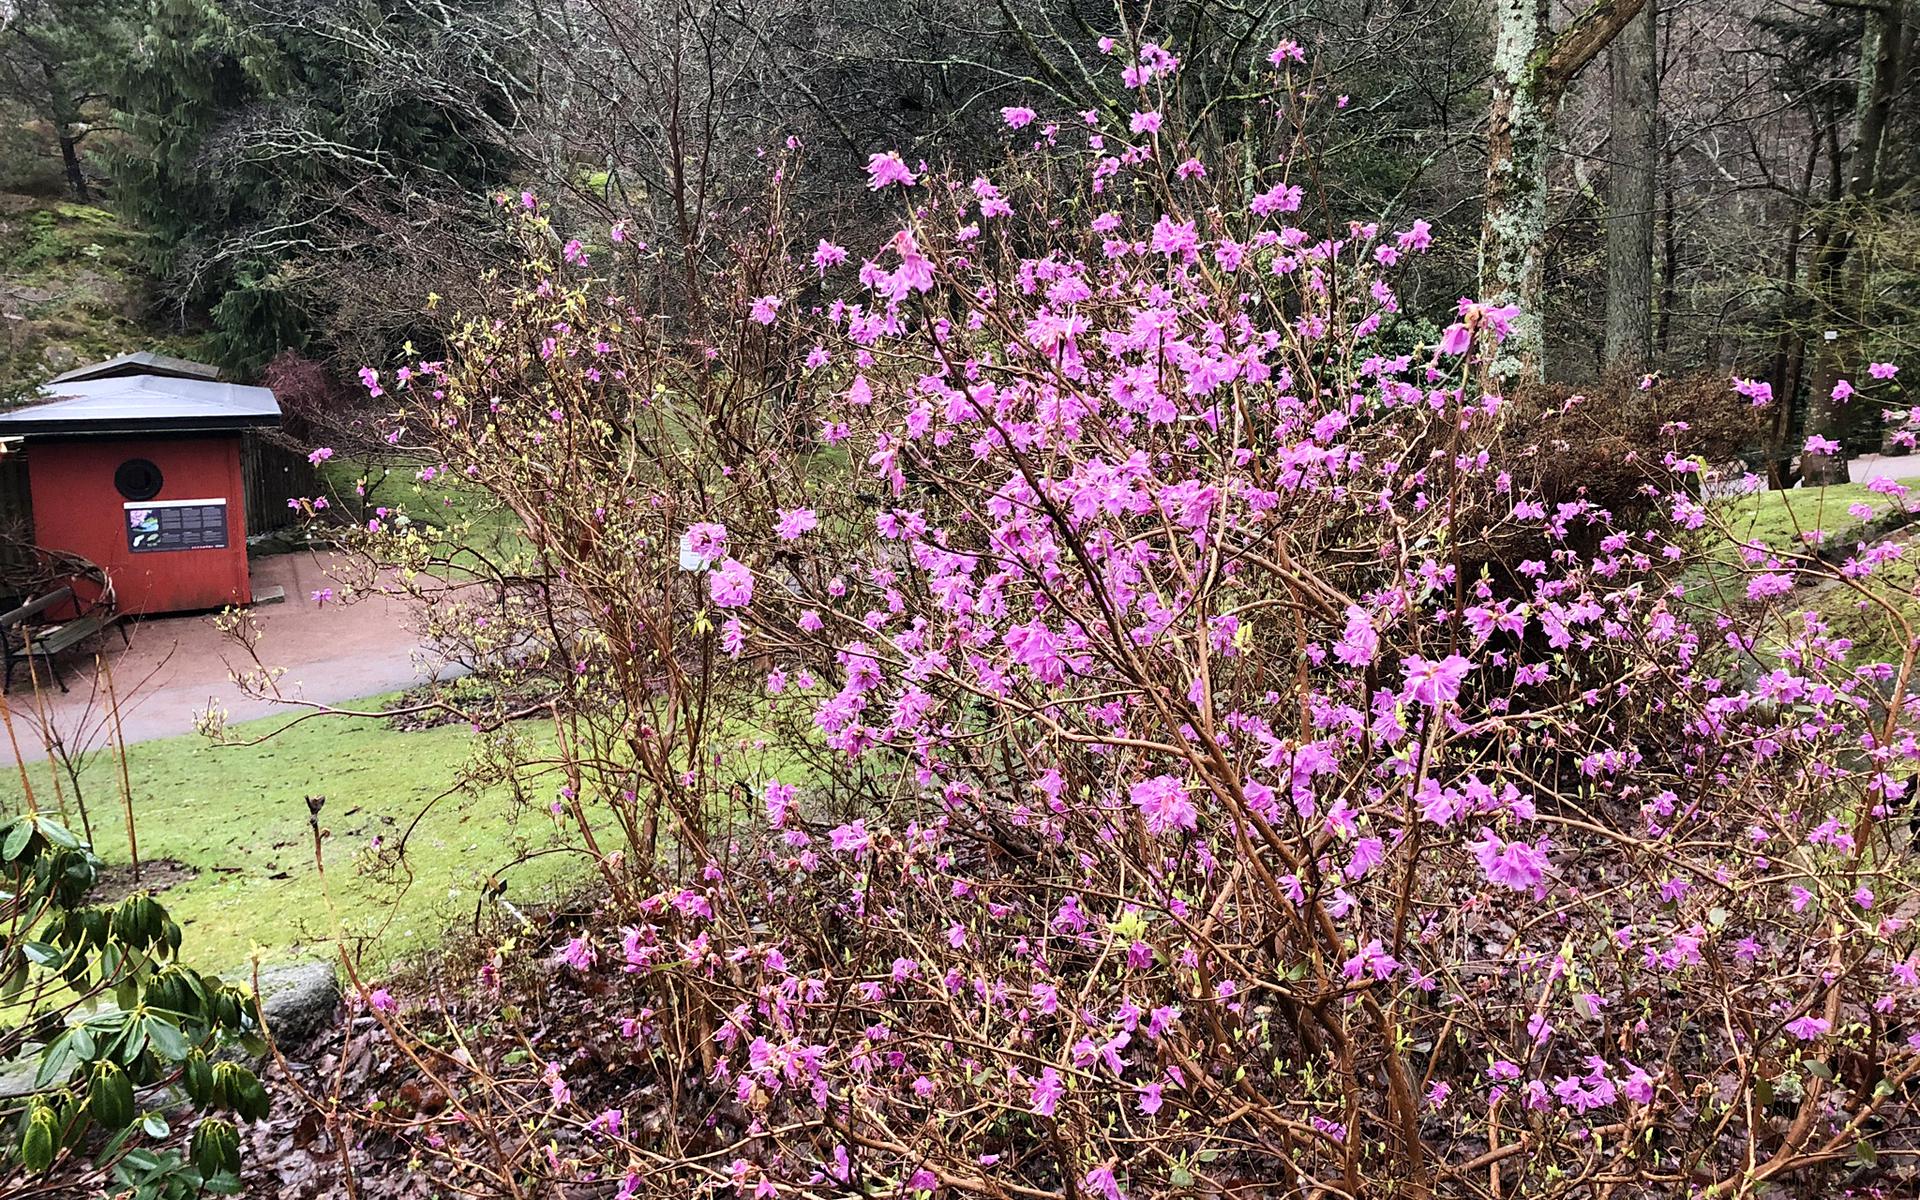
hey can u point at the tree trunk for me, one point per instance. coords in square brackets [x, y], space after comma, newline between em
[76, 178]
[1635, 69]
[64, 119]
[1514, 223]
[1532, 67]
[1790, 348]
[1669, 262]
[1839, 285]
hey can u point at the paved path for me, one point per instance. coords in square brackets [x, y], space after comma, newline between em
[178, 666]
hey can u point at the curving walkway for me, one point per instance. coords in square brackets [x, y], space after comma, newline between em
[177, 666]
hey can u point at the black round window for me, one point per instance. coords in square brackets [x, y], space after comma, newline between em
[137, 479]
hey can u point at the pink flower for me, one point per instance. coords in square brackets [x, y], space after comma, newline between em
[851, 839]
[1517, 865]
[1164, 802]
[886, 169]
[1371, 960]
[1584, 1094]
[1045, 1092]
[1277, 199]
[1638, 1086]
[1434, 683]
[1017, 118]
[1358, 642]
[1368, 852]
[1174, 238]
[1287, 51]
[1101, 1182]
[1842, 391]
[764, 308]
[1822, 445]
[1882, 370]
[1456, 340]
[702, 545]
[779, 798]
[579, 955]
[381, 1000]
[1144, 122]
[1809, 1027]
[826, 254]
[796, 521]
[732, 585]
[320, 455]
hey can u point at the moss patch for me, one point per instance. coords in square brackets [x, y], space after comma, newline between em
[72, 291]
[1830, 518]
[1832, 521]
[238, 817]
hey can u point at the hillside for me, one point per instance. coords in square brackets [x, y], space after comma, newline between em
[71, 291]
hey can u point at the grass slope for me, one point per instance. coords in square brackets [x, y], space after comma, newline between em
[460, 513]
[1834, 520]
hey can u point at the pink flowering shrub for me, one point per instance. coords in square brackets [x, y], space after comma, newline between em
[1062, 736]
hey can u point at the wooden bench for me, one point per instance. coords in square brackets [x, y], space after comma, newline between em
[24, 637]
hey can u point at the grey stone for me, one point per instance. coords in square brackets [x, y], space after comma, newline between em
[298, 1000]
[16, 1079]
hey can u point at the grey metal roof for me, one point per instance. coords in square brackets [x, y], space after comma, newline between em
[141, 404]
[142, 362]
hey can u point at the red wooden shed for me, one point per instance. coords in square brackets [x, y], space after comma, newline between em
[135, 465]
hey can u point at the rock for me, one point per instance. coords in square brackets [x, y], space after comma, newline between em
[279, 541]
[16, 1079]
[297, 999]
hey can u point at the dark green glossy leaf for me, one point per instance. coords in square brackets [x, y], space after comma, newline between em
[19, 833]
[168, 1042]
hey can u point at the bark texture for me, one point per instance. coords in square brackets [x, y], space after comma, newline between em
[1532, 66]
[1635, 70]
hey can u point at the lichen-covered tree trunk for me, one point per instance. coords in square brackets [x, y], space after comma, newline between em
[1532, 66]
[1514, 223]
[1635, 71]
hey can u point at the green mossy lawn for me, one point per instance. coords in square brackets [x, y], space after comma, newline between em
[1802, 519]
[237, 816]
